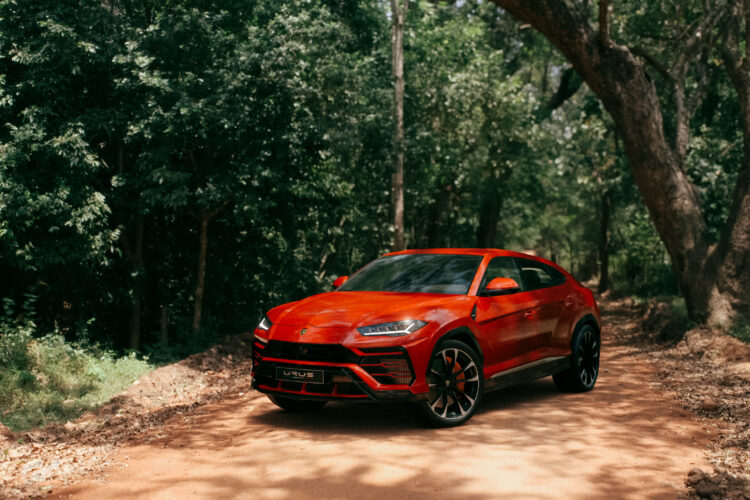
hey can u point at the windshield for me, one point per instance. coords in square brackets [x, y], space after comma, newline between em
[416, 273]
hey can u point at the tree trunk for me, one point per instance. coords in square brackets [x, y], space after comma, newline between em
[200, 278]
[628, 94]
[604, 243]
[135, 257]
[164, 326]
[439, 212]
[204, 217]
[489, 216]
[491, 201]
[731, 291]
[398, 16]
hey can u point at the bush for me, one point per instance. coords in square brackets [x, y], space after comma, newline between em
[15, 334]
[741, 330]
[47, 379]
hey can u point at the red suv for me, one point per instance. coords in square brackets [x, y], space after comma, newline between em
[437, 327]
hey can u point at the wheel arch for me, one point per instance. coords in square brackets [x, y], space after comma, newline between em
[465, 335]
[588, 319]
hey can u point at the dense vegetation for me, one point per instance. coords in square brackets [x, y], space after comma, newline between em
[169, 170]
[46, 378]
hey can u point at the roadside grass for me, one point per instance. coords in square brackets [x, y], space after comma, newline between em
[47, 379]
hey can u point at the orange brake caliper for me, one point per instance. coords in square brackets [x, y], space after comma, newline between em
[460, 384]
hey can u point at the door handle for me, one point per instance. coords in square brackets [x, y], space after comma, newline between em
[569, 302]
[529, 314]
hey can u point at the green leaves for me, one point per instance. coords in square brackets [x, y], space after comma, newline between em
[115, 118]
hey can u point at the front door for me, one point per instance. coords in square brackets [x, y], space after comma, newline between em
[507, 321]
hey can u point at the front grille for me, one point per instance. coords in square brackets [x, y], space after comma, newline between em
[391, 370]
[389, 366]
[328, 353]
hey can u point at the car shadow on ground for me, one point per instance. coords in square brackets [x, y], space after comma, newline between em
[388, 418]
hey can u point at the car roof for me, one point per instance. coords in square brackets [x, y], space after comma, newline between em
[489, 252]
[492, 252]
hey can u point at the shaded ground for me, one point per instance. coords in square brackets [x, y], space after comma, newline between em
[626, 439]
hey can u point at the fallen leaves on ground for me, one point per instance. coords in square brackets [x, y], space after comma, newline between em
[709, 373]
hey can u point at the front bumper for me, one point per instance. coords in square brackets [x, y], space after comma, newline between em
[349, 374]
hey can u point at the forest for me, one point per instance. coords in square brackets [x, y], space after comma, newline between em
[170, 170]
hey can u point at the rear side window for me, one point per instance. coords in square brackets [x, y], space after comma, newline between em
[536, 275]
[501, 267]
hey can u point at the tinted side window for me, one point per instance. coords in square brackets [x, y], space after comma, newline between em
[536, 275]
[501, 267]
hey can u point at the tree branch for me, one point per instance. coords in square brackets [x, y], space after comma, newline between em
[618, 78]
[570, 82]
[651, 60]
[567, 29]
[703, 79]
[730, 48]
[693, 42]
[603, 22]
[701, 36]
[217, 209]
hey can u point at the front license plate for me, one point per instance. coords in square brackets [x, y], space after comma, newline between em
[300, 375]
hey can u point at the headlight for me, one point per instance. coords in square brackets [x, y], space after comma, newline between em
[393, 329]
[264, 324]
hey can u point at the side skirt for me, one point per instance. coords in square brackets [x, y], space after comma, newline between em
[526, 373]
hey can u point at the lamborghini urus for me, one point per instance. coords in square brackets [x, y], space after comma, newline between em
[435, 327]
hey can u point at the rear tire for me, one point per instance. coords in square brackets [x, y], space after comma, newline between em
[456, 383]
[584, 362]
[296, 405]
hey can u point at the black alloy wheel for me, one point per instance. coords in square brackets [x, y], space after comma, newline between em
[584, 362]
[455, 384]
[588, 358]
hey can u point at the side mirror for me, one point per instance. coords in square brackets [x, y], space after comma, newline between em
[499, 286]
[340, 281]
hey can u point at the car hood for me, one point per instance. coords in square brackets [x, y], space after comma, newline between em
[353, 309]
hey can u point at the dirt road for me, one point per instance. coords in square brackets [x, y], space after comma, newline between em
[623, 440]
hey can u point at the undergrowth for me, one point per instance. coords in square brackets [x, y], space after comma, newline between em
[741, 330]
[46, 379]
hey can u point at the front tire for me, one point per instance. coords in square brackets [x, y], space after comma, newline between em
[296, 405]
[584, 362]
[456, 383]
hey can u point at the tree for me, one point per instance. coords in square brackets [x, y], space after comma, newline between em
[399, 9]
[55, 232]
[714, 278]
[470, 126]
[730, 291]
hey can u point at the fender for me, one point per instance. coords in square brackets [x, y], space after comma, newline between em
[584, 319]
[464, 334]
